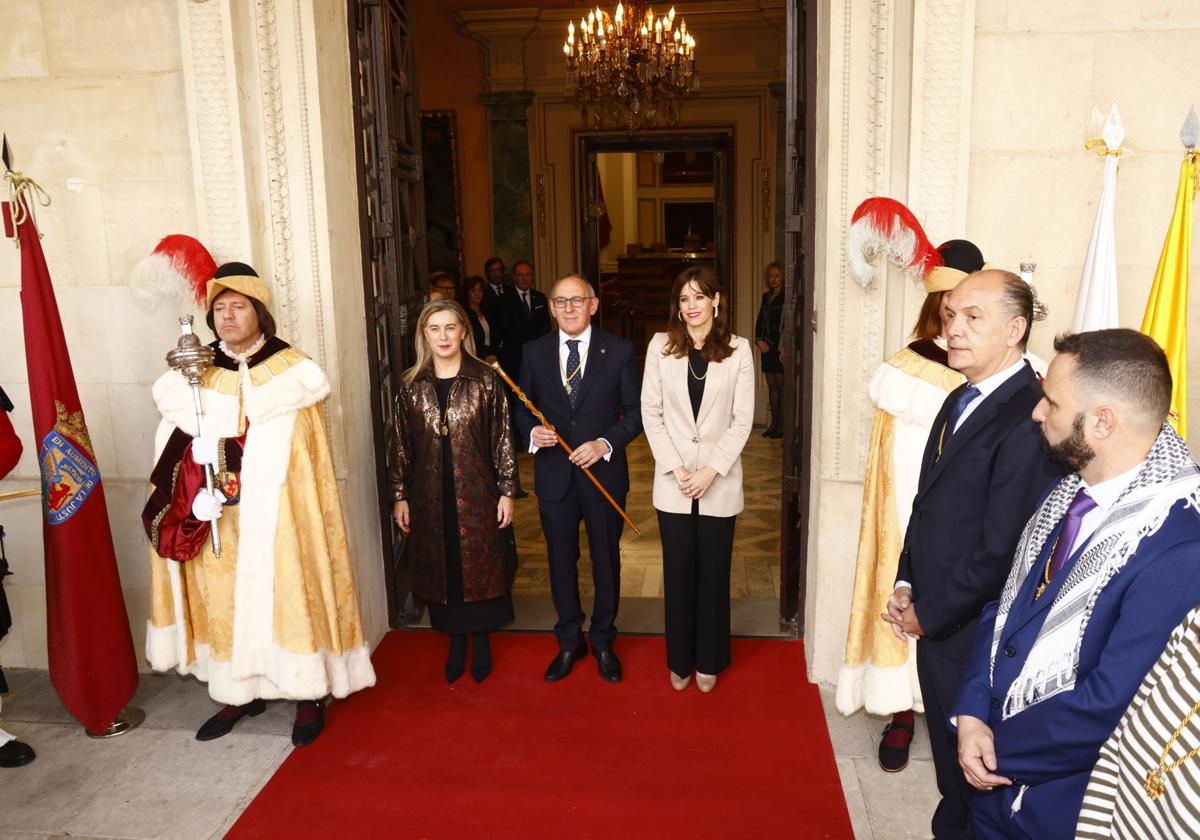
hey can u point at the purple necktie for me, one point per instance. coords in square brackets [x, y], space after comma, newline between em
[1080, 505]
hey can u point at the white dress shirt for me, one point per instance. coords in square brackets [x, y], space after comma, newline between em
[585, 340]
[987, 386]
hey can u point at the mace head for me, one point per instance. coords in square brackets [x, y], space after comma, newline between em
[190, 357]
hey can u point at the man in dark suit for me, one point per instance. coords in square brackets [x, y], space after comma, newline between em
[493, 287]
[524, 316]
[586, 383]
[983, 473]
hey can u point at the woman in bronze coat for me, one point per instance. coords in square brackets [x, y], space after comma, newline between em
[453, 482]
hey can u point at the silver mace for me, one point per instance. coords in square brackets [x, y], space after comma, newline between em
[192, 359]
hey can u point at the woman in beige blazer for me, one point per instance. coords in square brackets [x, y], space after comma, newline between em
[697, 409]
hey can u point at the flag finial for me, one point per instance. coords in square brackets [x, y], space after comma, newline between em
[6, 153]
[1189, 135]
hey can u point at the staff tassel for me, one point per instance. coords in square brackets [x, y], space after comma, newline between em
[542, 419]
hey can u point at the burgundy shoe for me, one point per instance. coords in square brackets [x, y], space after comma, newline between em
[310, 720]
[223, 721]
[897, 738]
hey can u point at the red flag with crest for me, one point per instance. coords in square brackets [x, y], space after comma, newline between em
[92, 663]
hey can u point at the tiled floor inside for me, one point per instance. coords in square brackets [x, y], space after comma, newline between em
[755, 570]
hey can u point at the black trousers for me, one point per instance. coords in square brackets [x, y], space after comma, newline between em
[697, 552]
[940, 678]
[560, 523]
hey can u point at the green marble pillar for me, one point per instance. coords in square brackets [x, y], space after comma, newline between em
[779, 91]
[512, 203]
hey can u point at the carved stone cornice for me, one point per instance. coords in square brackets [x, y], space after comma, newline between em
[503, 33]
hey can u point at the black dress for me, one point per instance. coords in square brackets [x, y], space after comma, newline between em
[457, 615]
[768, 327]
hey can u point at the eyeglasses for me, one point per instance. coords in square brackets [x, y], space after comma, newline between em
[569, 302]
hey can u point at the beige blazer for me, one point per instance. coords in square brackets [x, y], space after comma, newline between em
[714, 438]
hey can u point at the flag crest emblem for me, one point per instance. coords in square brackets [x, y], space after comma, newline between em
[68, 467]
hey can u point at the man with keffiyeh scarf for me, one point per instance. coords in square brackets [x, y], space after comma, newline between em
[1106, 568]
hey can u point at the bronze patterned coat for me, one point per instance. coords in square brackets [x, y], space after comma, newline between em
[485, 468]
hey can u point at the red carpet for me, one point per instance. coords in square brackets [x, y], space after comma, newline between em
[517, 757]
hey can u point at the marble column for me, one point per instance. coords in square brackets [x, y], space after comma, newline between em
[512, 203]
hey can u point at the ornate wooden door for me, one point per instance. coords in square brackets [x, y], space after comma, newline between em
[799, 316]
[387, 137]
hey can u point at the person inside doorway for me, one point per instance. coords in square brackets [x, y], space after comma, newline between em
[768, 334]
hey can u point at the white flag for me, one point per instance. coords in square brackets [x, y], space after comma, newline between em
[1096, 306]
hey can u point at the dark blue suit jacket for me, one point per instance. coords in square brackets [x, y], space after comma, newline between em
[1053, 745]
[609, 407]
[970, 507]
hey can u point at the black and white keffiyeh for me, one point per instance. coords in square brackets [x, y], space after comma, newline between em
[1169, 474]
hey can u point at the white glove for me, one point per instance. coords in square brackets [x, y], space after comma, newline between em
[207, 506]
[204, 450]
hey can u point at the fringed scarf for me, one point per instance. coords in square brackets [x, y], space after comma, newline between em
[1169, 474]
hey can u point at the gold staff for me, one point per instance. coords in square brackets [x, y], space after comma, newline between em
[19, 494]
[542, 419]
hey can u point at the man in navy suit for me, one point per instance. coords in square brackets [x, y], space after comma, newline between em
[1106, 568]
[983, 473]
[586, 383]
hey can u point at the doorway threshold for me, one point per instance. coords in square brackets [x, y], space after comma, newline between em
[750, 617]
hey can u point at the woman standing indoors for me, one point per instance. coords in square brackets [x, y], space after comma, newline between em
[697, 409]
[767, 335]
[453, 483]
[482, 330]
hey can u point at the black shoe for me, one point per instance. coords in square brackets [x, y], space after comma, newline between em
[310, 720]
[775, 434]
[16, 754]
[222, 722]
[560, 666]
[897, 738]
[608, 665]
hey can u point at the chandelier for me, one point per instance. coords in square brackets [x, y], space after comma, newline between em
[632, 69]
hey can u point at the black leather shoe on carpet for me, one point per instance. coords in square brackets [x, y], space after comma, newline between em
[608, 665]
[222, 722]
[16, 754]
[310, 720]
[561, 665]
[897, 738]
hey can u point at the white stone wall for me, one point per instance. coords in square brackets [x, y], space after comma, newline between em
[975, 112]
[224, 119]
[93, 105]
[1039, 68]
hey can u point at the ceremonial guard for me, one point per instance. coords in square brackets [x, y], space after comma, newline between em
[269, 609]
[13, 753]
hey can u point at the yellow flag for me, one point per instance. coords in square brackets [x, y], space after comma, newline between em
[1166, 311]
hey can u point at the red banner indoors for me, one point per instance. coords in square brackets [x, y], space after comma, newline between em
[92, 663]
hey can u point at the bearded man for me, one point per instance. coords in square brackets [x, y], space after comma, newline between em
[1103, 572]
[275, 615]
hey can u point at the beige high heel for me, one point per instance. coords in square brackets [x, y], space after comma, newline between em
[679, 683]
[706, 682]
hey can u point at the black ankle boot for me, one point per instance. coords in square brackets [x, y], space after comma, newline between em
[310, 721]
[481, 657]
[456, 659]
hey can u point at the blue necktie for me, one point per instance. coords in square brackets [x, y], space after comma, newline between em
[572, 372]
[960, 405]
